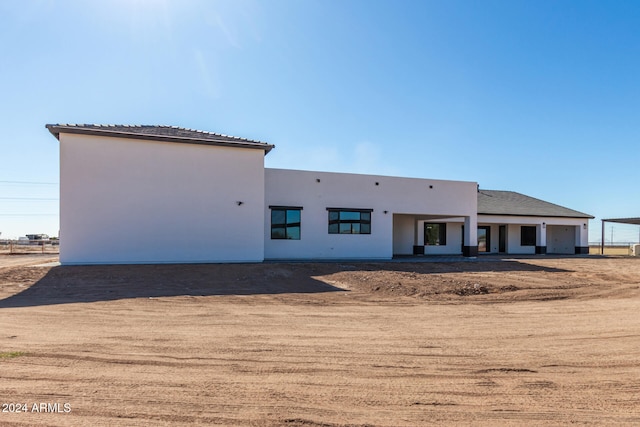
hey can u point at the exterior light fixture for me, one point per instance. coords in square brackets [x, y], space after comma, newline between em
[544, 225]
[239, 203]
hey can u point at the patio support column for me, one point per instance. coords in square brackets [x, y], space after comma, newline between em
[417, 249]
[470, 246]
[582, 239]
[541, 239]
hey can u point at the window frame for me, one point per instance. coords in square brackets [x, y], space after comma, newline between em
[526, 240]
[442, 234]
[342, 224]
[285, 226]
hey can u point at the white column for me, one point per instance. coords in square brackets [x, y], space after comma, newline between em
[541, 238]
[470, 247]
[582, 238]
[417, 249]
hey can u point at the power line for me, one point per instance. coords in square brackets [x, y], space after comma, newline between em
[29, 198]
[29, 182]
[30, 214]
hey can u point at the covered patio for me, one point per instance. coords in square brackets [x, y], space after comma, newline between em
[633, 221]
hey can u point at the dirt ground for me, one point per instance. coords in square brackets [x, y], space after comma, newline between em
[538, 341]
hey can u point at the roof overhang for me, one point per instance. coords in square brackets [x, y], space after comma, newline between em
[634, 221]
[56, 130]
[536, 215]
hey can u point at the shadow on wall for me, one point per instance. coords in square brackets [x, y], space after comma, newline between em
[79, 284]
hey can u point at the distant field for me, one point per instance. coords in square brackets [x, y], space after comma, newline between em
[21, 248]
[609, 250]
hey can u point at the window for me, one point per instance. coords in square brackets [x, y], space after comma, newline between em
[435, 234]
[349, 221]
[527, 235]
[285, 222]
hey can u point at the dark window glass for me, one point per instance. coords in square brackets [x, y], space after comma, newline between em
[278, 233]
[350, 216]
[285, 223]
[293, 216]
[349, 222]
[527, 235]
[435, 234]
[293, 233]
[278, 216]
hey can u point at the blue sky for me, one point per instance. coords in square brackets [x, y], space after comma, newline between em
[540, 97]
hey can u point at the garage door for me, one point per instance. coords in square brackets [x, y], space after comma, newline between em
[561, 239]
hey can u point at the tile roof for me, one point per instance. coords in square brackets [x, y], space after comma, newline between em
[493, 202]
[158, 133]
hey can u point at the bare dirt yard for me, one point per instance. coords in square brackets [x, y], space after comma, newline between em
[539, 341]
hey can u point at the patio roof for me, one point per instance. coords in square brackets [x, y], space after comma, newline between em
[634, 221]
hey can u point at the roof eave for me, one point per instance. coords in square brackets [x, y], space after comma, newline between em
[581, 216]
[57, 130]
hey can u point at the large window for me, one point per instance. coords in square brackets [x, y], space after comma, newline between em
[527, 235]
[349, 221]
[435, 234]
[285, 222]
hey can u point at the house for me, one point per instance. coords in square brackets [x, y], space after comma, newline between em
[510, 222]
[163, 194]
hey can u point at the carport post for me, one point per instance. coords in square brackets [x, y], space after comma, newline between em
[602, 239]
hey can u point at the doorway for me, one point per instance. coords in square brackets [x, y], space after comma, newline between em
[502, 239]
[484, 238]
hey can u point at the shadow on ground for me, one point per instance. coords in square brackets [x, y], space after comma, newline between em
[78, 284]
[73, 284]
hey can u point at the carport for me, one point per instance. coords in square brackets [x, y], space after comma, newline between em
[634, 221]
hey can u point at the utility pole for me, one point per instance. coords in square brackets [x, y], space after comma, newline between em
[611, 243]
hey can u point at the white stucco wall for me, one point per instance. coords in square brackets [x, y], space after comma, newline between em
[404, 234]
[317, 191]
[133, 201]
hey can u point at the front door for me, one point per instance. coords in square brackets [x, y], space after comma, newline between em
[484, 236]
[502, 239]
